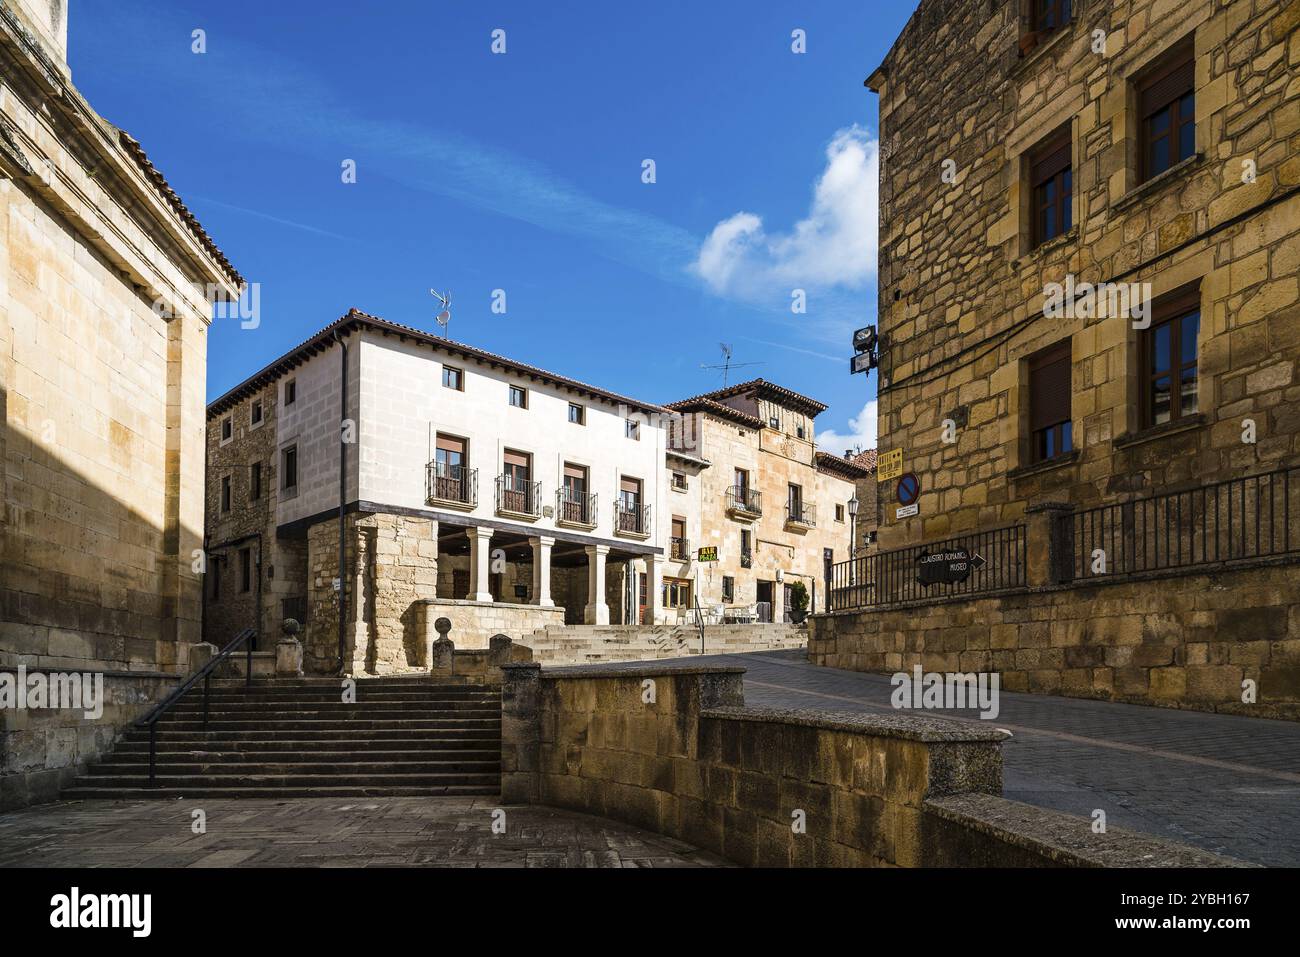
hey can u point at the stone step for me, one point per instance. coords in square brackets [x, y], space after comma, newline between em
[349, 734]
[286, 753]
[97, 792]
[329, 724]
[217, 767]
[337, 711]
[167, 779]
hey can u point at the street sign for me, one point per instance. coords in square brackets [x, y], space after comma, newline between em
[862, 362]
[950, 567]
[708, 553]
[907, 511]
[889, 465]
[909, 489]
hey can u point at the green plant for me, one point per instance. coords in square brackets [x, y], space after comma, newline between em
[799, 596]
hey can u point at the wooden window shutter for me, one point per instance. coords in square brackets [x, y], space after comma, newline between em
[516, 458]
[1049, 387]
[1168, 85]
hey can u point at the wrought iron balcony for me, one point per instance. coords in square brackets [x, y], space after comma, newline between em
[575, 509]
[453, 485]
[521, 499]
[801, 513]
[632, 520]
[746, 559]
[679, 549]
[744, 501]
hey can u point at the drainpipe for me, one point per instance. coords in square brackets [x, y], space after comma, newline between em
[343, 488]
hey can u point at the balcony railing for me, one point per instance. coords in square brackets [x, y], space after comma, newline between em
[679, 549]
[801, 513]
[519, 498]
[451, 485]
[632, 519]
[575, 508]
[747, 501]
[746, 559]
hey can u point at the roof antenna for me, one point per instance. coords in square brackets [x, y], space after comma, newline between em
[443, 318]
[727, 365]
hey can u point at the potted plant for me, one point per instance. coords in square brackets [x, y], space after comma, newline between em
[798, 602]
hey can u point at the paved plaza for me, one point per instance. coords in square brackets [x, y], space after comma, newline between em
[362, 832]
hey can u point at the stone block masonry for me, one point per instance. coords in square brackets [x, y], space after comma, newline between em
[673, 749]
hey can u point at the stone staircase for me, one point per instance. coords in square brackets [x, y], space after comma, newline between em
[283, 738]
[585, 644]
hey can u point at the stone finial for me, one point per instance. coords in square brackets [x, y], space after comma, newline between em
[290, 627]
[288, 656]
[442, 626]
[443, 652]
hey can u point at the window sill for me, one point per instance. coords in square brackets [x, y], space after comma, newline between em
[676, 489]
[1022, 62]
[575, 523]
[1047, 465]
[1155, 184]
[1049, 246]
[1187, 423]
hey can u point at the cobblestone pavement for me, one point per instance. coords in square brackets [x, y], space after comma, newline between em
[1223, 783]
[319, 832]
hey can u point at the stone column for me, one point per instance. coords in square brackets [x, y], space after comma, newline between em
[480, 551]
[1047, 559]
[597, 611]
[521, 731]
[654, 565]
[542, 571]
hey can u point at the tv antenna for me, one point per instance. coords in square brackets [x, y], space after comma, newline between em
[726, 365]
[443, 318]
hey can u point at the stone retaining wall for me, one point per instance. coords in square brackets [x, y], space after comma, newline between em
[41, 750]
[1187, 640]
[473, 623]
[674, 750]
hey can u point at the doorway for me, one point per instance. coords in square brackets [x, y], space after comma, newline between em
[765, 591]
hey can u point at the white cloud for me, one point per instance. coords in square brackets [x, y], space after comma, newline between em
[834, 245]
[862, 432]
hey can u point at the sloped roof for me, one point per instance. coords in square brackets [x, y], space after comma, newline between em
[763, 390]
[865, 459]
[356, 320]
[838, 465]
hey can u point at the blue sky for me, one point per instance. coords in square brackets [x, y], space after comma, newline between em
[522, 171]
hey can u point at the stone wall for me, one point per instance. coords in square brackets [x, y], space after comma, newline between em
[674, 750]
[474, 623]
[43, 750]
[961, 287]
[1187, 640]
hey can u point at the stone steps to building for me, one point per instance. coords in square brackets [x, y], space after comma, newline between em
[261, 791]
[298, 738]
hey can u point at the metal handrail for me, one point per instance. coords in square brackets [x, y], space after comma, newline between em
[575, 508]
[519, 497]
[742, 499]
[245, 638]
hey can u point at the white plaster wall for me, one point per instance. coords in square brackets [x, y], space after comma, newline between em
[404, 404]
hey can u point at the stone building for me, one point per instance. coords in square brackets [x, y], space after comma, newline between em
[105, 287]
[1090, 327]
[747, 479]
[479, 488]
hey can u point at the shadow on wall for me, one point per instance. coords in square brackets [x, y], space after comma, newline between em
[84, 573]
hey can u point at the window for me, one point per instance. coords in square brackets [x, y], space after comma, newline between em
[255, 416]
[214, 569]
[742, 481]
[451, 469]
[794, 501]
[577, 414]
[255, 482]
[728, 588]
[225, 493]
[291, 392]
[289, 467]
[574, 504]
[227, 429]
[1049, 403]
[839, 513]
[1050, 14]
[632, 429]
[774, 422]
[519, 397]
[245, 569]
[746, 552]
[516, 482]
[631, 517]
[1051, 185]
[798, 431]
[453, 378]
[679, 481]
[1167, 113]
[1169, 359]
[677, 593]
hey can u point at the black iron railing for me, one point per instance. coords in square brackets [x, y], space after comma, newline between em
[631, 519]
[451, 483]
[1255, 516]
[742, 499]
[518, 497]
[801, 513]
[679, 548]
[575, 508]
[746, 559]
[245, 639]
[884, 578]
